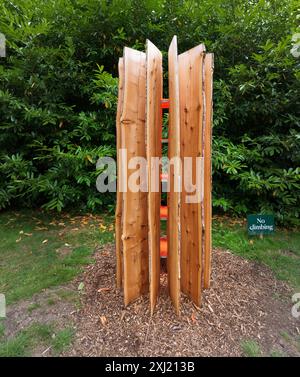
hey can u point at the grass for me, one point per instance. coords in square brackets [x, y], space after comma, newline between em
[39, 251]
[62, 340]
[51, 301]
[2, 329]
[285, 336]
[276, 353]
[26, 340]
[33, 307]
[67, 295]
[251, 348]
[281, 251]
[294, 341]
[30, 245]
[37, 335]
[33, 245]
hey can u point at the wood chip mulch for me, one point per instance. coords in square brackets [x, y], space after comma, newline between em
[245, 302]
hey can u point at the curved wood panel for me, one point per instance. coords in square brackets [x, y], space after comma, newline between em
[153, 141]
[173, 227]
[191, 128]
[119, 205]
[208, 86]
[135, 223]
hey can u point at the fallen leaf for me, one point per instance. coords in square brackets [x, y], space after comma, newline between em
[210, 308]
[81, 286]
[45, 241]
[193, 317]
[19, 239]
[21, 232]
[251, 242]
[103, 290]
[28, 234]
[103, 320]
[41, 228]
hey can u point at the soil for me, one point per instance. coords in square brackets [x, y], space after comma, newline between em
[49, 306]
[245, 302]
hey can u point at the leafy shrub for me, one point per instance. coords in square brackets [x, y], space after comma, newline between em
[58, 96]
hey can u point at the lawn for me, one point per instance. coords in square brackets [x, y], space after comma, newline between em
[40, 251]
[280, 251]
[37, 335]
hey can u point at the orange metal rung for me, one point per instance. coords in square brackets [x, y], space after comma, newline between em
[163, 212]
[163, 247]
[164, 209]
[164, 177]
[164, 103]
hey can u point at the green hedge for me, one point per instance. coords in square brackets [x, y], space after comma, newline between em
[58, 97]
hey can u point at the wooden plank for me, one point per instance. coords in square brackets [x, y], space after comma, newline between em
[173, 227]
[135, 223]
[191, 121]
[154, 135]
[208, 90]
[118, 215]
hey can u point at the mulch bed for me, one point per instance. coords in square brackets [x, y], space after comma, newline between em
[245, 302]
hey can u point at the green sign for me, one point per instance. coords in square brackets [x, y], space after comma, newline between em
[260, 224]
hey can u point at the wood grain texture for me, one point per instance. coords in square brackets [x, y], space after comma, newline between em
[208, 90]
[135, 216]
[173, 226]
[191, 128]
[119, 204]
[153, 146]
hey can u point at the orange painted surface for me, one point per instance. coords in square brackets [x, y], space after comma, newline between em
[164, 176]
[163, 247]
[163, 212]
[164, 103]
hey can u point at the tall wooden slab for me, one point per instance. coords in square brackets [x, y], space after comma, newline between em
[135, 216]
[208, 90]
[191, 128]
[153, 146]
[138, 128]
[173, 228]
[119, 204]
